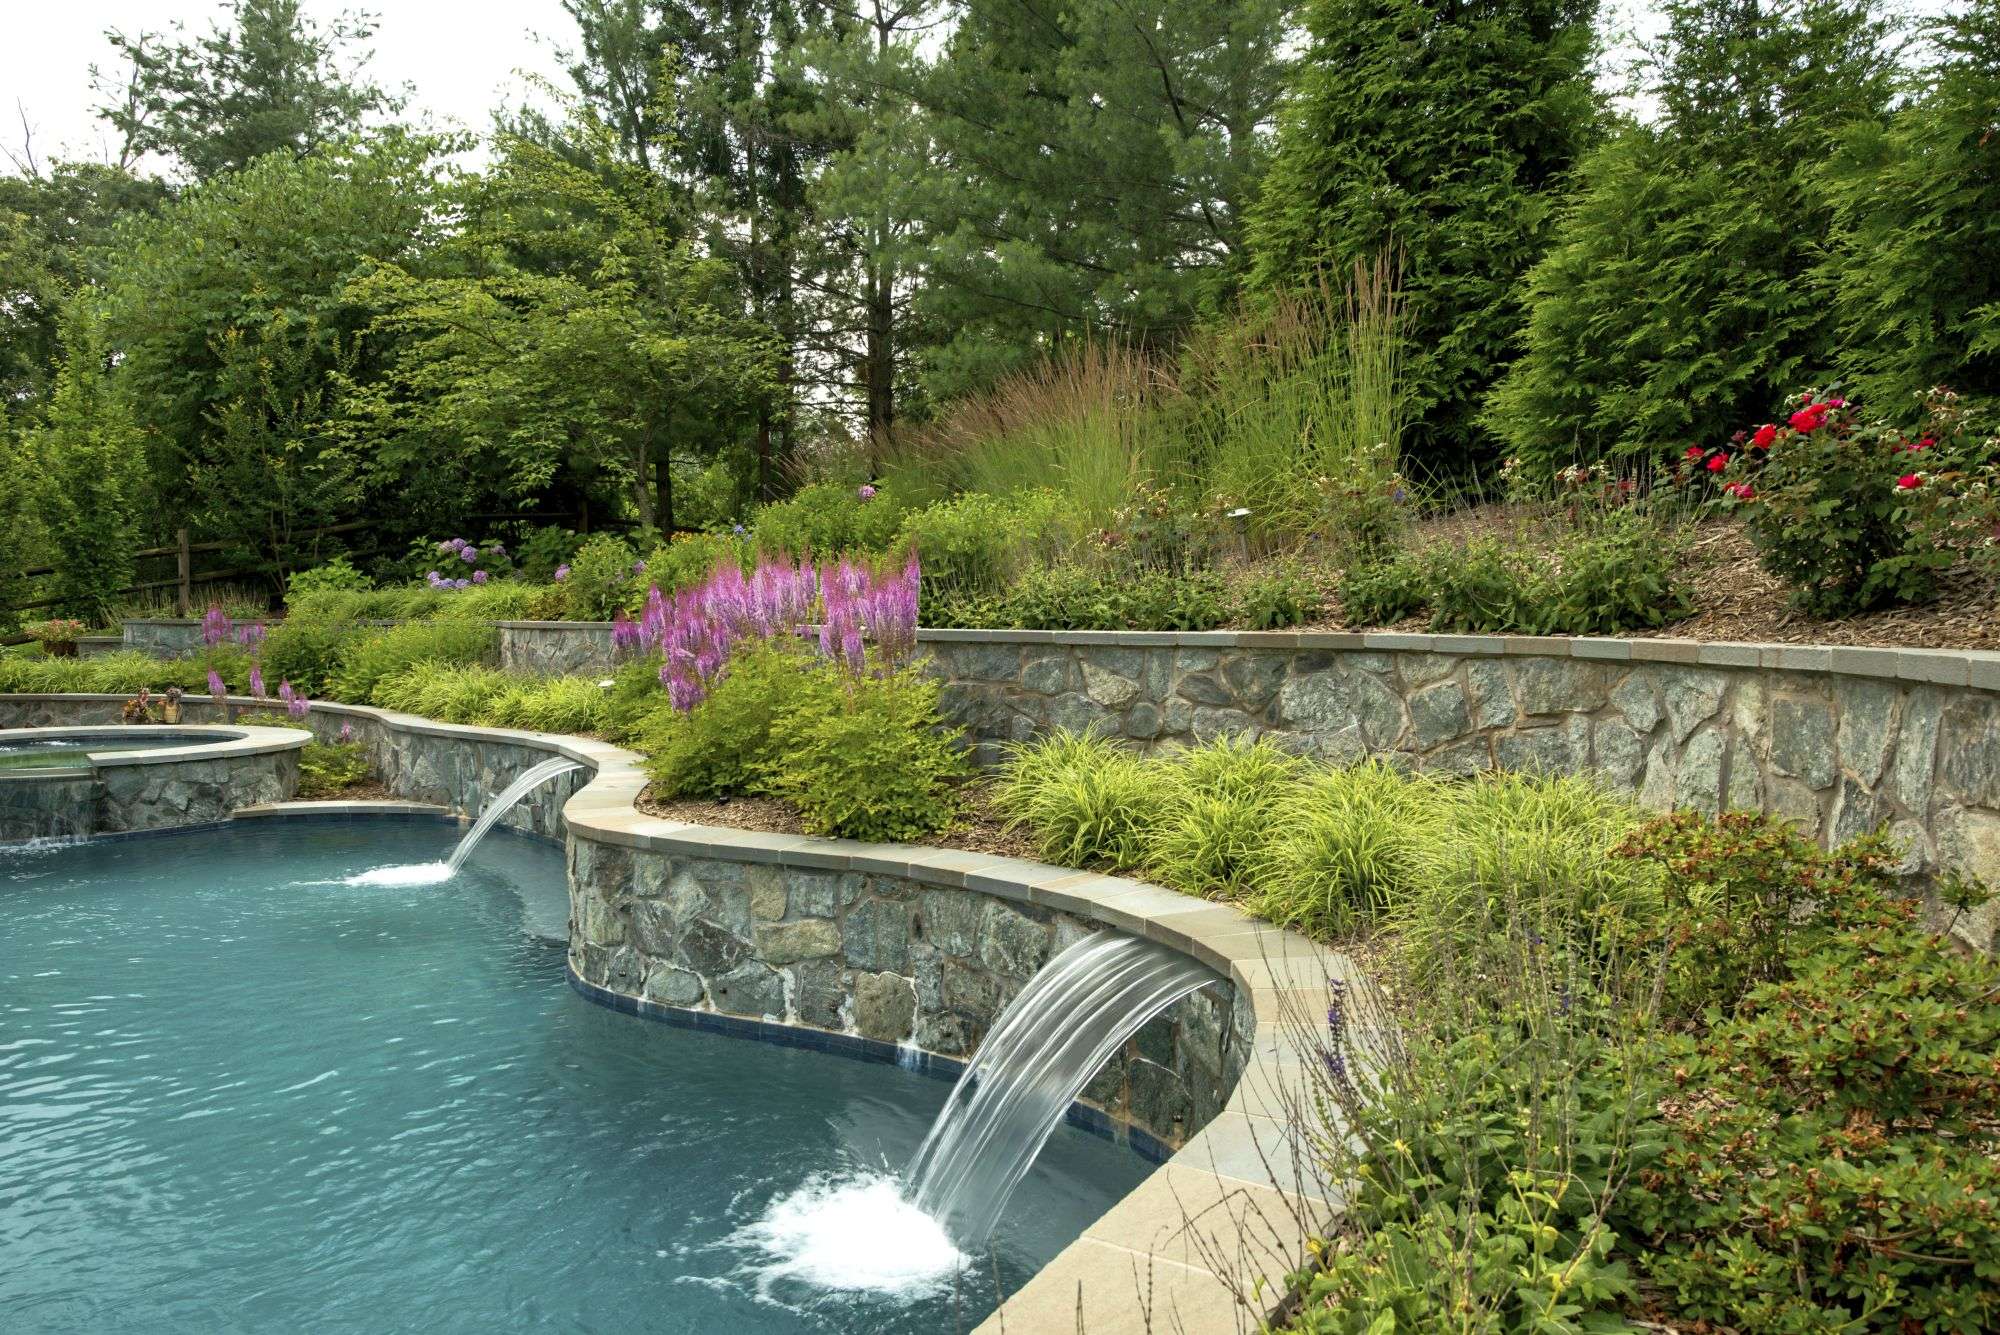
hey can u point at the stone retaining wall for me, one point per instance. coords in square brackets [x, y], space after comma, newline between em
[879, 957]
[142, 790]
[556, 648]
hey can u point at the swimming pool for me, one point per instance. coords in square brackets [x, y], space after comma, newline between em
[238, 1093]
[73, 752]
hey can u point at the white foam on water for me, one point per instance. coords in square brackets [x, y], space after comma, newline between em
[854, 1233]
[415, 873]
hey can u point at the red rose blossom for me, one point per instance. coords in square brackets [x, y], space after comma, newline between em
[1765, 435]
[1909, 482]
[1809, 419]
[1718, 463]
[1741, 491]
[1693, 452]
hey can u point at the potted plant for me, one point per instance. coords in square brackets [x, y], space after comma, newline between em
[57, 636]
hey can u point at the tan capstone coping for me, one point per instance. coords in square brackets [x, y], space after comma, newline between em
[221, 742]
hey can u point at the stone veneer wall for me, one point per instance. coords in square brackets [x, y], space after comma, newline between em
[879, 957]
[142, 791]
[556, 648]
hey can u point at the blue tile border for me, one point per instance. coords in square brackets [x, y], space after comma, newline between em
[1081, 1115]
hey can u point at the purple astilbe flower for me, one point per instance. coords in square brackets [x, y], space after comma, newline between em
[257, 682]
[346, 733]
[215, 626]
[866, 493]
[250, 636]
[216, 688]
[479, 577]
[1336, 1031]
[298, 706]
[562, 573]
[285, 691]
[624, 632]
[638, 567]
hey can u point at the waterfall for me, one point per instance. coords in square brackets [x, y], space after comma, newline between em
[504, 803]
[1047, 1044]
[428, 873]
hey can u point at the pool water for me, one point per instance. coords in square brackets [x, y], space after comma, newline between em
[74, 752]
[237, 1093]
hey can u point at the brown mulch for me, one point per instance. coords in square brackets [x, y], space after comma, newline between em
[979, 829]
[1736, 599]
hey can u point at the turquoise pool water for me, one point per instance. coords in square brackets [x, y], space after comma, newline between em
[74, 752]
[237, 1094]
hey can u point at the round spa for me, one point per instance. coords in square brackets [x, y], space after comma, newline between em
[108, 779]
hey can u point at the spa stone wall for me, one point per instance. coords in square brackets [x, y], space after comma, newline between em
[876, 957]
[556, 648]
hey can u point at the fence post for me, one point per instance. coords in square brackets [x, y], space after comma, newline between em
[184, 567]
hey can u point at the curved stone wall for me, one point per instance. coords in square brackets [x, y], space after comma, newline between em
[204, 781]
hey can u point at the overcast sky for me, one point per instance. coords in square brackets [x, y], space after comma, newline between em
[461, 56]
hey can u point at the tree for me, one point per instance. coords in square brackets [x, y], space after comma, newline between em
[231, 313]
[269, 81]
[84, 462]
[1914, 264]
[505, 380]
[1444, 134]
[1677, 303]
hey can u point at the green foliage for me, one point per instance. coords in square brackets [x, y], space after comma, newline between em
[85, 465]
[1085, 800]
[537, 555]
[1344, 845]
[1457, 170]
[1219, 814]
[575, 705]
[1383, 592]
[307, 651]
[725, 745]
[875, 762]
[109, 674]
[826, 519]
[1743, 894]
[976, 545]
[1914, 262]
[484, 696]
[1832, 1161]
[372, 658]
[1619, 573]
[601, 579]
[689, 559]
[1522, 854]
[1677, 296]
[337, 575]
[1278, 597]
[1074, 597]
[1829, 516]
[329, 769]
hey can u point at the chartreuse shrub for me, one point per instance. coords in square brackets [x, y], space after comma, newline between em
[600, 579]
[976, 545]
[326, 769]
[826, 519]
[1343, 844]
[306, 650]
[723, 745]
[1220, 808]
[1078, 597]
[117, 674]
[485, 696]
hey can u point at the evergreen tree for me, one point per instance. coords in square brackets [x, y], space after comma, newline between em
[270, 80]
[85, 458]
[1915, 265]
[1441, 133]
[1677, 303]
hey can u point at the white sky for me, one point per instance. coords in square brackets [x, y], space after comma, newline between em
[460, 55]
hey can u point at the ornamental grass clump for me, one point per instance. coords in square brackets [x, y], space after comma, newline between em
[1221, 802]
[1083, 799]
[1344, 845]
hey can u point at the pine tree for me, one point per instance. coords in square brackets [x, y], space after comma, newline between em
[85, 457]
[1677, 303]
[1442, 133]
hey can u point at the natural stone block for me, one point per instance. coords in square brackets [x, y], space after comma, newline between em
[1107, 688]
[885, 1006]
[790, 942]
[1698, 774]
[1969, 768]
[767, 893]
[1209, 724]
[1473, 755]
[1422, 669]
[1802, 739]
[1559, 685]
[1253, 678]
[1492, 697]
[1047, 675]
[1010, 941]
[1142, 721]
[820, 894]
[819, 993]
[1793, 800]
[1618, 752]
[671, 986]
[1910, 775]
[711, 950]
[949, 920]
[1856, 810]
[1201, 689]
[1636, 696]
[1692, 696]
[1867, 727]
[750, 989]
[1535, 751]
[876, 935]
[1438, 714]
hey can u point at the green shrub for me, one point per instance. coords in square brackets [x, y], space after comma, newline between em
[1085, 800]
[1069, 597]
[688, 559]
[1344, 846]
[1833, 1159]
[1381, 593]
[537, 555]
[975, 545]
[1620, 574]
[328, 769]
[307, 652]
[549, 704]
[635, 705]
[1744, 892]
[372, 658]
[1484, 586]
[827, 519]
[724, 745]
[113, 674]
[439, 689]
[1829, 515]
[337, 574]
[1277, 598]
[601, 579]
[875, 761]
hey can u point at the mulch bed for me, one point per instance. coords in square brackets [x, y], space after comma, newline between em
[979, 830]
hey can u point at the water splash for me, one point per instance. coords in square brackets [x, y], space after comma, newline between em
[856, 1233]
[1046, 1045]
[431, 873]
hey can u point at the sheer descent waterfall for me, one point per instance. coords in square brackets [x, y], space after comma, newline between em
[501, 805]
[1046, 1045]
